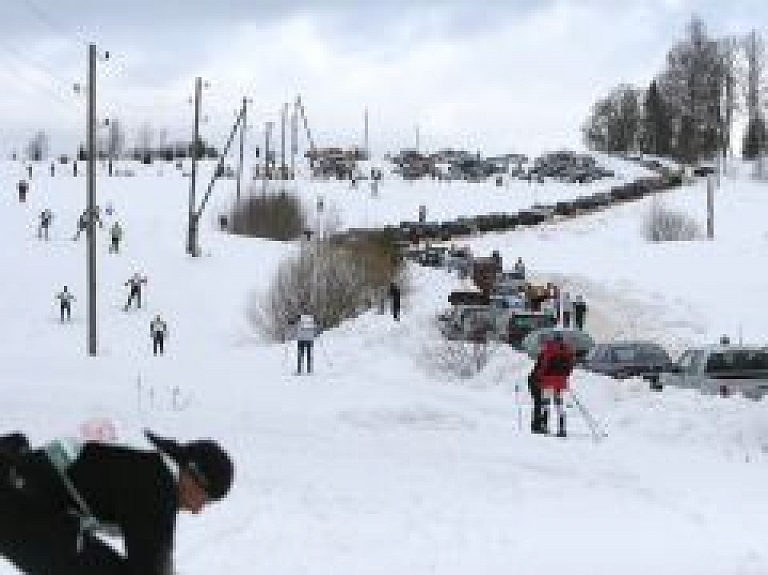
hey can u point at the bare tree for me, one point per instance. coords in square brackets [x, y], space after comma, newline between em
[615, 121]
[729, 103]
[692, 86]
[755, 90]
[144, 139]
[115, 139]
[37, 148]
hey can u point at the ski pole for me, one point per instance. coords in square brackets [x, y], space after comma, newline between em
[597, 432]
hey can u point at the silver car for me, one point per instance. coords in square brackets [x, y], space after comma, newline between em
[721, 369]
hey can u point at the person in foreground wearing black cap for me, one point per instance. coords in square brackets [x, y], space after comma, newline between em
[54, 500]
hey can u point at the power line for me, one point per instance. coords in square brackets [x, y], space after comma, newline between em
[52, 82]
[25, 77]
[42, 16]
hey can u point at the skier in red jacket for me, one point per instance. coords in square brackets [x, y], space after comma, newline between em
[553, 367]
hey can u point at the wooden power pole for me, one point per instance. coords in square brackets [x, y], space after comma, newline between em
[91, 192]
[192, 227]
[243, 128]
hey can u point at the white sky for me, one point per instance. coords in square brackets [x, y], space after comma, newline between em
[493, 76]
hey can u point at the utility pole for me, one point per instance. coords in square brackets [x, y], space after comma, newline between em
[283, 167]
[192, 229]
[294, 140]
[417, 137]
[710, 207]
[365, 135]
[242, 146]
[91, 209]
[267, 137]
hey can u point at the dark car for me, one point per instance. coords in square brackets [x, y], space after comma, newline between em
[629, 359]
[579, 341]
[522, 322]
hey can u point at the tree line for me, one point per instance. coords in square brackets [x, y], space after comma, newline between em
[111, 144]
[689, 109]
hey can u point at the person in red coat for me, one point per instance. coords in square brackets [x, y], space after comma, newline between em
[553, 367]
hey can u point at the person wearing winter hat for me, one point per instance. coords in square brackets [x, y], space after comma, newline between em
[57, 498]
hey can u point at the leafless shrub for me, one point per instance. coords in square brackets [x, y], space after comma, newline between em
[462, 359]
[665, 225]
[275, 215]
[330, 281]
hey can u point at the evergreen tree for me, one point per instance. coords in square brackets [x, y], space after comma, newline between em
[755, 138]
[656, 123]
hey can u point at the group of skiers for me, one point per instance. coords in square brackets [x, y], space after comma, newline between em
[158, 329]
[115, 231]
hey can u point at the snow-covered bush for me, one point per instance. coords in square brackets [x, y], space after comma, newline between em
[278, 216]
[462, 359]
[332, 282]
[664, 225]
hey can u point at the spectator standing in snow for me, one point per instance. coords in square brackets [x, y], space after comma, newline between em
[46, 218]
[579, 311]
[548, 307]
[306, 331]
[159, 331]
[554, 365]
[135, 282]
[58, 499]
[538, 424]
[520, 267]
[566, 308]
[394, 294]
[65, 303]
[115, 235]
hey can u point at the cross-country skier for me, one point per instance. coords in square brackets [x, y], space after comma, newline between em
[56, 499]
[135, 282]
[46, 218]
[159, 331]
[115, 235]
[553, 367]
[65, 303]
[83, 221]
[306, 331]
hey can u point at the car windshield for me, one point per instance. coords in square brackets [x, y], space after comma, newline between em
[639, 354]
[737, 360]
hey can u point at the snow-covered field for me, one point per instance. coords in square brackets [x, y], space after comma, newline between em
[379, 463]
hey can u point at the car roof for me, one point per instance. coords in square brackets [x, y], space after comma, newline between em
[632, 343]
[719, 348]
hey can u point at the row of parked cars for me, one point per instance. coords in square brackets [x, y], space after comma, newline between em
[722, 369]
[447, 231]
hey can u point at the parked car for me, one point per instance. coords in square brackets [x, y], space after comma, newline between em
[517, 324]
[722, 369]
[580, 341]
[629, 359]
[468, 323]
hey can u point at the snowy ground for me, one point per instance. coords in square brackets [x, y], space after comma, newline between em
[380, 463]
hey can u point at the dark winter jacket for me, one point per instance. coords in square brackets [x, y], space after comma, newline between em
[554, 365]
[130, 489]
[394, 293]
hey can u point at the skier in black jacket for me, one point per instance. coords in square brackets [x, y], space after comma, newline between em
[52, 505]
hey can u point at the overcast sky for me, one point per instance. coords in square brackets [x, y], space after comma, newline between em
[496, 76]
